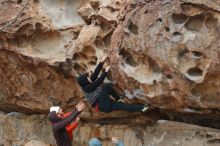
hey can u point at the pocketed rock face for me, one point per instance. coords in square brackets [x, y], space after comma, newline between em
[62, 13]
[20, 129]
[44, 49]
[22, 17]
[23, 82]
[167, 53]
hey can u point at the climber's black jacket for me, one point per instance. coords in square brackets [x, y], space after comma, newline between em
[92, 90]
[96, 82]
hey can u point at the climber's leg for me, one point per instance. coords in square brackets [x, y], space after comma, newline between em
[107, 105]
[109, 88]
[126, 107]
[104, 100]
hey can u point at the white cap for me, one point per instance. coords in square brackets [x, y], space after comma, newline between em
[54, 109]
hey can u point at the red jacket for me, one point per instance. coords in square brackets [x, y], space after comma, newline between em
[70, 127]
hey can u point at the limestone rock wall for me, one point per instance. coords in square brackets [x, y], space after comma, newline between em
[178, 44]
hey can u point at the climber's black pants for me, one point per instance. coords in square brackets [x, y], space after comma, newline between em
[107, 105]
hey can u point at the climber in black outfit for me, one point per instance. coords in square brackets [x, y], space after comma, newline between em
[98, 93]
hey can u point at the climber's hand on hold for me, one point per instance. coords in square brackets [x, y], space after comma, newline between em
[77, 119]
[104, 58]
[113, 99]
[80, 106]
[107, 69]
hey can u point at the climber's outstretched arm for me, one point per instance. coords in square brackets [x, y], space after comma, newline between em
[62, 124]
[97, 70]
[92, 86]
